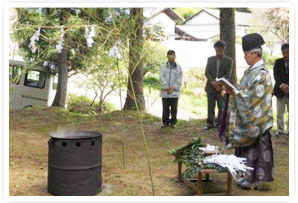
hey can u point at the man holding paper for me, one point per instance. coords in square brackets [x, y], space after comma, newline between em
[251, 116]
[218, 66]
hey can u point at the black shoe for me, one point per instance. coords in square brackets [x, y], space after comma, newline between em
[208, 127]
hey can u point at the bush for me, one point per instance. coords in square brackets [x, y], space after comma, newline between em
[270, 59]
[194, 81]
[152, 81]
[195, 78]
[82, 104]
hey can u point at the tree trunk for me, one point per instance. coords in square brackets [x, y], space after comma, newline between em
[63, 58]
[60, 98]
[135, 63]
[227, 34]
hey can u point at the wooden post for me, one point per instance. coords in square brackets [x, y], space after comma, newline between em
[179, 171]
[199, 184]
[229, 191]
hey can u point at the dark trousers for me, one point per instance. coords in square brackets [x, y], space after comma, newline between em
[259, 156]
[213, 98]
[169, 106]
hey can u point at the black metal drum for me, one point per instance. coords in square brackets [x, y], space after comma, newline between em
[74, 165]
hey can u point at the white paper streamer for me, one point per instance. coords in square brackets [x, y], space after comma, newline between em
[92, 32]
[89, 35]
[231, 162]
[59, 46]
[115, 51]
[35, 37]
[86, 32]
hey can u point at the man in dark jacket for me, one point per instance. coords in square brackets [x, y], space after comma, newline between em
[281, 88]
[218, 66]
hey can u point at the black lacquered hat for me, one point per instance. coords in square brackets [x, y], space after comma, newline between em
[252, 41]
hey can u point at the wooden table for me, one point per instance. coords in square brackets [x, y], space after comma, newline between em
[198, 187]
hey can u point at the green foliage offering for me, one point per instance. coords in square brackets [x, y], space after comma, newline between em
[183, 153]
[192, 158]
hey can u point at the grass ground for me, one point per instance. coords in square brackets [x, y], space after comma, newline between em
[30, 129]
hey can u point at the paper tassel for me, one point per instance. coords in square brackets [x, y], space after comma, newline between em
[231, 162]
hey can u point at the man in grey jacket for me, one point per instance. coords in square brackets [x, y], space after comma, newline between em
[170, 81]
[218, 66]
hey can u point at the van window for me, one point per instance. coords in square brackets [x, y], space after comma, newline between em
[35, 79]
[15, 73]
[55, 82]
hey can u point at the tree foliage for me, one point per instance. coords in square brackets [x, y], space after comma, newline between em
[273, 20]
[110, 24]
[155, 54]
[104, 75]
[49, 19]
[187, 12]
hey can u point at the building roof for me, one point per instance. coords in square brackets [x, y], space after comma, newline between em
[241, 18]
[204, 32]
[149, 14]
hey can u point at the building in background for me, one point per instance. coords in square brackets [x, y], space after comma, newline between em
[204, 25]
[166, 18]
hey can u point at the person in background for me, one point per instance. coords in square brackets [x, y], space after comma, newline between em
[251, 116]
[218, 66]
[170, 82]
[281, 89]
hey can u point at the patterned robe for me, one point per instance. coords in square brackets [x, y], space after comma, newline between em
[250, 121]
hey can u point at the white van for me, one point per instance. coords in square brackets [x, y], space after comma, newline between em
[37, 86]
